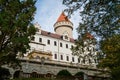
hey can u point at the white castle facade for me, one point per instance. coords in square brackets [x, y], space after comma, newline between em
[57, 46]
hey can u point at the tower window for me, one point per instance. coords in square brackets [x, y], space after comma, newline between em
[60, 44]
[40, 39]
[48, 41]
[55, 56]
[73, 59]
[55, 43]
[67, 58]
[66, 45]
[61, 57]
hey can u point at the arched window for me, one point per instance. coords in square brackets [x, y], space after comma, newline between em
[67, 58]
[73, 59]
[60, 44]
[78, 60]
[37, 57]
[61, 57]
[55, 56]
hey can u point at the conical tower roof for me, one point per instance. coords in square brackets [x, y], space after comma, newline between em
[63, 17]
[63, 25]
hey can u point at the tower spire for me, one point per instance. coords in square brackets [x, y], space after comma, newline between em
[63, 17]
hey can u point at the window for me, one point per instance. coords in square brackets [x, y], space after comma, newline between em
[55, 43]
[40, 39]
[90, 61]
[48, 41]
[73, 59]
[67, 58]
[78, 60]
[83, 61]
[33, 38]
[61, 57]
[55, 56]
[66, 37]
[60, 44]
[37, 57]
[66, 45]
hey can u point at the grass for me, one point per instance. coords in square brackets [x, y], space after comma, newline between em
[34, 79]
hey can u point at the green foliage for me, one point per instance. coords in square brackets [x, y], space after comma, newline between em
[4, 73]
[100, 17]
[64, 73]
[85, 44]
[111, 49]
[16, 28]
[35, 79]
[80, 74]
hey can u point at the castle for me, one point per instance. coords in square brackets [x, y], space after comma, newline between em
[51, 52]
[57, 46]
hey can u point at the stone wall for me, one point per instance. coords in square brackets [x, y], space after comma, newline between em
[30, 66]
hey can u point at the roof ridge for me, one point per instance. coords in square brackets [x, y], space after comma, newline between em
[54, 35]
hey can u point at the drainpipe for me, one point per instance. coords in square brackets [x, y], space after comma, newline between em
[58, 50]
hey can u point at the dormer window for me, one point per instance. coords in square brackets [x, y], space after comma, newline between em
[66, 37]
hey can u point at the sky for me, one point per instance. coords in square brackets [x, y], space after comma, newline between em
[48, 12]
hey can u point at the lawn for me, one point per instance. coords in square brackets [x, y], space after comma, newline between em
[34, 79]
[41, 79]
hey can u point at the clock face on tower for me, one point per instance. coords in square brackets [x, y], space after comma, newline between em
[65, 36]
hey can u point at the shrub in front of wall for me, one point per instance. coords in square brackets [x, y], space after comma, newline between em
[64, 75]
[79, 75]
[4, 74]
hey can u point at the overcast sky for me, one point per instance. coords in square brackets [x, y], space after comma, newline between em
[48, 12]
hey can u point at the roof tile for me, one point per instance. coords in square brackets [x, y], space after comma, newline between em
[49, 34]
[63, 17]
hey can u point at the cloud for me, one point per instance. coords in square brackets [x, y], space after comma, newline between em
[48, 12]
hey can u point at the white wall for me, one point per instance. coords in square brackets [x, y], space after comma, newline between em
[54, 49]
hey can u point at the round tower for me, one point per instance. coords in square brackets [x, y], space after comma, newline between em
[63, 26]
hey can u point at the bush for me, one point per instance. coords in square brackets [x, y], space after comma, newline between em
[64, 73]
[79, 74]
[4, 74]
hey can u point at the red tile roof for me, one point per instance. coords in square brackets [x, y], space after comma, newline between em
[63, 17]
[53, 35]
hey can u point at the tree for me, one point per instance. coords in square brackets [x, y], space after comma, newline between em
[102, 19]
[80, 74]
[64, 73]
[85, 49]
[16, 28]
[111, 48]
[4, 74]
